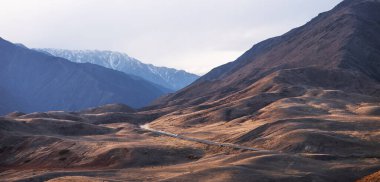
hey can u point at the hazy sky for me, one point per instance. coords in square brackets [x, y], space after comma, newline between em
[194, 35]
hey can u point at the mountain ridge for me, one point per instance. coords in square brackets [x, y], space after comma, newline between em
[167, 77]
[40, 82]
[326, 42]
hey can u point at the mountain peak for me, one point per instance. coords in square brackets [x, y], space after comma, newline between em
[167, 77]
[345, 38]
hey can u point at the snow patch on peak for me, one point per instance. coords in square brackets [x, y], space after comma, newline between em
[167, 77]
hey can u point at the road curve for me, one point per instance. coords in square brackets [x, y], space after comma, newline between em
[207, 142]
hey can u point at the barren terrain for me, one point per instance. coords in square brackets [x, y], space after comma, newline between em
[304, 106]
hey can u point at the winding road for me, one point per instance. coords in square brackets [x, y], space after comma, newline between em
[207, 142]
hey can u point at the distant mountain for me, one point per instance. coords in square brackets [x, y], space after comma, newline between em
[166, 77]
[34, 81]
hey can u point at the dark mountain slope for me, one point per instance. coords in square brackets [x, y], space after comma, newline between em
[344, 38]
[39, 82]
[109, 108]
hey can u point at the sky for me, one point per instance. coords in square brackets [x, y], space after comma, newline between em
[193, 35]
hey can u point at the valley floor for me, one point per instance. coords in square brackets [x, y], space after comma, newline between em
[126, 152]
[317, 136]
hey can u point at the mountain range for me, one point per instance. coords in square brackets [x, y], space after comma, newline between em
[167, 77]
[303, 106]
[33, 81]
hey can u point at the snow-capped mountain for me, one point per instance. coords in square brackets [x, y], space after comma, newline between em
[167, 77]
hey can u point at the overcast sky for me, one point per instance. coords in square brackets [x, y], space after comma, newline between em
[194, 35]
